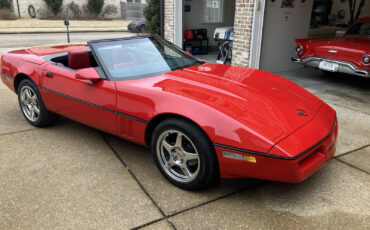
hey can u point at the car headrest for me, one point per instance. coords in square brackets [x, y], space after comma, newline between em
[78, 59]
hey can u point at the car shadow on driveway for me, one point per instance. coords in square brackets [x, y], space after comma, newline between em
[332, 193]
[168, 197]
[78, 172]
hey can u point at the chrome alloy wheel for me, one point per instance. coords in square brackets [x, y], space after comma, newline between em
[178, 156]
[29, 103]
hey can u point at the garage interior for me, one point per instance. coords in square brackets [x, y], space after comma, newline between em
[207, 15]
[301, 19]
[283, 21]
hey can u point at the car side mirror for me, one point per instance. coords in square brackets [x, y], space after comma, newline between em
[88, 74]
[189, 53]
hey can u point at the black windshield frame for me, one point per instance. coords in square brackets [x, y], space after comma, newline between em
[105, 69]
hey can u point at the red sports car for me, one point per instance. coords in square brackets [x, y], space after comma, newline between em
[347, 54]
[202, 121]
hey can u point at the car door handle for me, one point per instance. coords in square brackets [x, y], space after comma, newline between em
[48, 74]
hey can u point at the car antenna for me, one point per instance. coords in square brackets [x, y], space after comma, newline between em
[66, 23]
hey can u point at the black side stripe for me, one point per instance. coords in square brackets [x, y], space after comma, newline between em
[275, 156]
[94, 105]
[6, 75]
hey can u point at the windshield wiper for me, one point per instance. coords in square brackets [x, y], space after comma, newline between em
[185, 66]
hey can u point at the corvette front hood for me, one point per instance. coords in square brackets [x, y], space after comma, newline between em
[265, 103]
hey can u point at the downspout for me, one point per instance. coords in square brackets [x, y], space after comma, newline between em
[161, 17]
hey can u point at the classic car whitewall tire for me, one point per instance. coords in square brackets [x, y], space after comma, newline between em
[184, 154]
[32, 106]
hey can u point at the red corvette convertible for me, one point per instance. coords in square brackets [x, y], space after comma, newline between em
[202, 121]
[347, 54]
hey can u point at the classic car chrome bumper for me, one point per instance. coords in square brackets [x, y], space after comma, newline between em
[343, 67]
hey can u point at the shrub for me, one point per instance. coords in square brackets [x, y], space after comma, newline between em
[54, 5]
[152, 15]
[75, 9]
[46, 13]
[109, 9]
[5, 4]
[95, 6]
[7, 14]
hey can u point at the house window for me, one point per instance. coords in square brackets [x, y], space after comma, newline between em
[134, 1]
[213, 11]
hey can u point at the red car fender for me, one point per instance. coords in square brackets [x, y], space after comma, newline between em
[14, 67]
[219, 127]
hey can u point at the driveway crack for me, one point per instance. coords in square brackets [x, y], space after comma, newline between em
[350, 165]
[351, 151]
[165, 217]
[20, 131]
[140, 185]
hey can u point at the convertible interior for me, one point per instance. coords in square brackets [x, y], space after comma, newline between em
[116, 58]
[78, 59]
[126, 59]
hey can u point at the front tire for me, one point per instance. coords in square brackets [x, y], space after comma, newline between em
[32, 106]
[184, 154]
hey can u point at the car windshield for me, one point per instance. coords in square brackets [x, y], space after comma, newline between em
[362, 28]
[134, 58]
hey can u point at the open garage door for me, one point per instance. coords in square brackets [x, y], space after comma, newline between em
[201, 18]
[286, 20]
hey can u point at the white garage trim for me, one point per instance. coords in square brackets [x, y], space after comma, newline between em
[257, 32]
[178, 23]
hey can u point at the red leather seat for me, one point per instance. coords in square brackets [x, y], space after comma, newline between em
[78, 59]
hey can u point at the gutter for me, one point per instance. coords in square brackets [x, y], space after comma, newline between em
[161, 17]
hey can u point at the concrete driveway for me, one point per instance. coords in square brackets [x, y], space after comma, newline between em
[70, 176]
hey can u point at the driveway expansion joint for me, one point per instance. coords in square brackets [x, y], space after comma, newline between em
[140, 185]
[345, 106]
[165, 217]
[352, 151]
[197, 206]
[350, 165]
[15, 132]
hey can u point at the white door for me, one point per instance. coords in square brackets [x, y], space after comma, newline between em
[283, 24]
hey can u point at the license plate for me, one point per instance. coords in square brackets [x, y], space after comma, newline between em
[328, 66]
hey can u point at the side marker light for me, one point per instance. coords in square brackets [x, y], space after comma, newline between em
[237, 156]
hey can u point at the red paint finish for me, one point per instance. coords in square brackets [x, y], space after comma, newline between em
[237, 107]
[294, 170]
[348, 48]
[101, 93]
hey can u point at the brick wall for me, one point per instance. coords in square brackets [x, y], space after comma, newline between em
[242, 28]
[242, 31]
[169, 8]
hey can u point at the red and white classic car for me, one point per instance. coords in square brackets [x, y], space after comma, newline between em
[349, 53]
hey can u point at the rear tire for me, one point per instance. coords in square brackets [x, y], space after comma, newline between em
[184, 154]
[32, 106]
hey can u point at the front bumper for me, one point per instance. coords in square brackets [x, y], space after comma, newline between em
[315, 143]
[343, 67]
